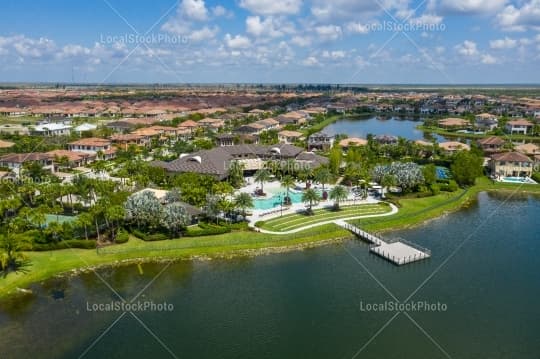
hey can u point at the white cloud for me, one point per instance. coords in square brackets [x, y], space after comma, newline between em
[219, 11]
[205, 33]
[506, 43]
[269, 27]
[426, 19]
[194, 9]
[334, 55]
[329, 11]
[468, 49]
[237, 42]
[272, 7]
[311, 61]
[328, 32]
[469, 7]
[487, 59]
[520, 19]
[301, 41]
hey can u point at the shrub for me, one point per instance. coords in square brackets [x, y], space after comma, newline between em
[536, 176]
[196, 232]
[156, 237]
[73, 243]
[122, 237]
[138, 234]
[435, 189]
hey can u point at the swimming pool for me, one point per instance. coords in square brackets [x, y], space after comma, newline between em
[275, 200]
[518, 180]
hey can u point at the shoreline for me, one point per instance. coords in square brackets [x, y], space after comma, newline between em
[18, 283]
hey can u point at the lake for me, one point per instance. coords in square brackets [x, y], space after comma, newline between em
[316, 303]
[361, 127]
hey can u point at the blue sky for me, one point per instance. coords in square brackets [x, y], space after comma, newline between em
[339, 41]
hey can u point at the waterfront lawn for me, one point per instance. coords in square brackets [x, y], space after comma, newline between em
[44, 265]
[297, 220]
[413, 211]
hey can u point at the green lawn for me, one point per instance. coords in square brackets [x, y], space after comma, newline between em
[44, 265]
[443, 132]
[413, 211]
[294, 221]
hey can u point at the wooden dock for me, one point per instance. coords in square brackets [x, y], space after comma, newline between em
[397, 251]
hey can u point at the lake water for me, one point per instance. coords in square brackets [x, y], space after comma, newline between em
[361, 127]
[485, 271]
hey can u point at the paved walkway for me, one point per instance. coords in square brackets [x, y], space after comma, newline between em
[335, 221]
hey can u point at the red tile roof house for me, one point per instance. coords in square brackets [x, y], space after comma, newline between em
[93, 145]
[74, 158]
[15, 161]
[512, 164]
[520, 126]
[491, 144]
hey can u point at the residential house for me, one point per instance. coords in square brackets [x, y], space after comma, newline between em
[72, 158]
[453, 123]
[189, 125]
[352, 142]
[212, 124]
[320, 141]
[491, 144]
[529, 149]
[51, 129]
[15, 161]
[225, 140]
[451, 147]
[520, 126]
[126, 140]
[94, 146]
[486, 121]
[513, 164]
[289, 137]
[292, 118]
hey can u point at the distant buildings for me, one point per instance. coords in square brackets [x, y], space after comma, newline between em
[289, 137]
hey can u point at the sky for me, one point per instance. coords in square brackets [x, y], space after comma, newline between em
[271, 41]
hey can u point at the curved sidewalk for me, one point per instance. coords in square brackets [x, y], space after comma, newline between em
[335, 221]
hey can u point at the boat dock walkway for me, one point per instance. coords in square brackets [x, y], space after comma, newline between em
[397, 251]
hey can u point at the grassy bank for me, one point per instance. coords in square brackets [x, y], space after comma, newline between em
[44, 265]
[446, 133]
[414, 211]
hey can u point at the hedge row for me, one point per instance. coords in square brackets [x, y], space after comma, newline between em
[72, 243]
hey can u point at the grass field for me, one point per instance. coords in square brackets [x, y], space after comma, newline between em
[294, 221]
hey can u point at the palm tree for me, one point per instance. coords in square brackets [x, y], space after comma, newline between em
[84, 220]
[243, 201]
[310, 196]
[323, 176]
[236, 173]
[261, 176]
[11, 247]
[287, 182]
[304, 175]
[338, 194]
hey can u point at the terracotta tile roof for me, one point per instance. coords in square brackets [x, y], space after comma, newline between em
[492, 140]
[511, 157]
[91, 141]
